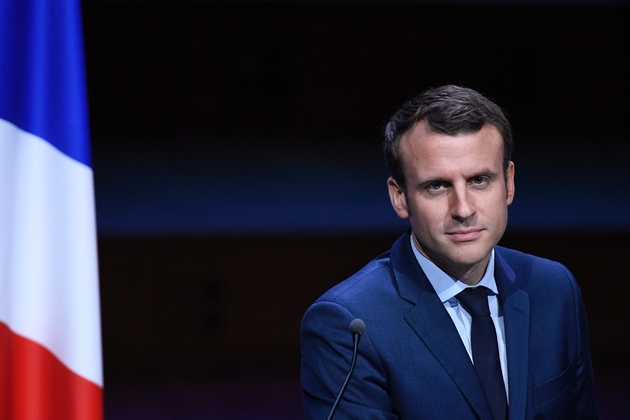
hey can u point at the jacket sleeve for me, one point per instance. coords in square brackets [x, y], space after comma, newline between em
[570, 394]
[583, 387]
[326, 356]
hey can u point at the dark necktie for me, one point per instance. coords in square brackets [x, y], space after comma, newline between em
[485, 349]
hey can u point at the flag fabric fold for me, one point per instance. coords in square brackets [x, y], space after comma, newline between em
[50, 344]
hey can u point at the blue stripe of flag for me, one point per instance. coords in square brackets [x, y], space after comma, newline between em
[42, 76]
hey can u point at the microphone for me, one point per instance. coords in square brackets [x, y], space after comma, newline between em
[357, 327]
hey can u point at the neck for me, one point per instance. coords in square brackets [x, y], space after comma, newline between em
[470, 276]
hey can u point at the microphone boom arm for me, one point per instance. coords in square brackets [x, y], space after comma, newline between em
[356, 327]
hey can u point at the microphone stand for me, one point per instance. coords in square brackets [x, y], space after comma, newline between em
[356, 336]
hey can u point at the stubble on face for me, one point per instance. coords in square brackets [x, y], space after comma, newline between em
[456, 197]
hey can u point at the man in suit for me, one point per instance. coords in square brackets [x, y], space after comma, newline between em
[456, 326]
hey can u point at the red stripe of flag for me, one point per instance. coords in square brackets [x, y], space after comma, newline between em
[35, 385]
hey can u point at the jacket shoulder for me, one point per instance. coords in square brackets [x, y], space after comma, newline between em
[515, 257]
[373, 275]
[533, 272]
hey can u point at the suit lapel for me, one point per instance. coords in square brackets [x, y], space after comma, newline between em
[515, 304]
[430, 321]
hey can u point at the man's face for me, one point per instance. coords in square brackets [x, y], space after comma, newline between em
[457, 196]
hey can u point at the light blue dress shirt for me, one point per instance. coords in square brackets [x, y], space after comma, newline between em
[448, 287]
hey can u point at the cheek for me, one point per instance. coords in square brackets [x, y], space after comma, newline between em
[498, 213]
[428, 216]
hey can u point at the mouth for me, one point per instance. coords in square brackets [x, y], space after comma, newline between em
[464, 235]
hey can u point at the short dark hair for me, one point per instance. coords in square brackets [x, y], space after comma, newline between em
[450, 110]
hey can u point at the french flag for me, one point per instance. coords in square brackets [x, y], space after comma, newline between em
[50, 343]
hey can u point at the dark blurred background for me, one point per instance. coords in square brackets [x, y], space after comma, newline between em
[236, 153]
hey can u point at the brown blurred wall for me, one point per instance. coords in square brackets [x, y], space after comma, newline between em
[211, 304]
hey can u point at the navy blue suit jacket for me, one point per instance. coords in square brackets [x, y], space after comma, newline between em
[412, 364]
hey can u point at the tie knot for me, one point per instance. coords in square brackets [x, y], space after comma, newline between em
[475, 301]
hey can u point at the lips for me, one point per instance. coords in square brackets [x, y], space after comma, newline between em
[465, 235]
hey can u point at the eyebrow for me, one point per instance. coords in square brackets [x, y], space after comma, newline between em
[486, 172]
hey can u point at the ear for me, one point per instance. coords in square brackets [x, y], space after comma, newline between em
[398, 198]
[509, 183]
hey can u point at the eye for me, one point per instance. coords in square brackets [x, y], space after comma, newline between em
[434, 186]
[479, 181]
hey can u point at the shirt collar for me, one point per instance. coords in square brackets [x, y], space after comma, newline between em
[448, 287]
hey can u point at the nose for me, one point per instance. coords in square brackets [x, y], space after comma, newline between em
[462, 206]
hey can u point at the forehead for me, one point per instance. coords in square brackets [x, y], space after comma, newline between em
[422, 149]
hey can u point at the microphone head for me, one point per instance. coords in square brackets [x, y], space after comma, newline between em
[357, 326]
